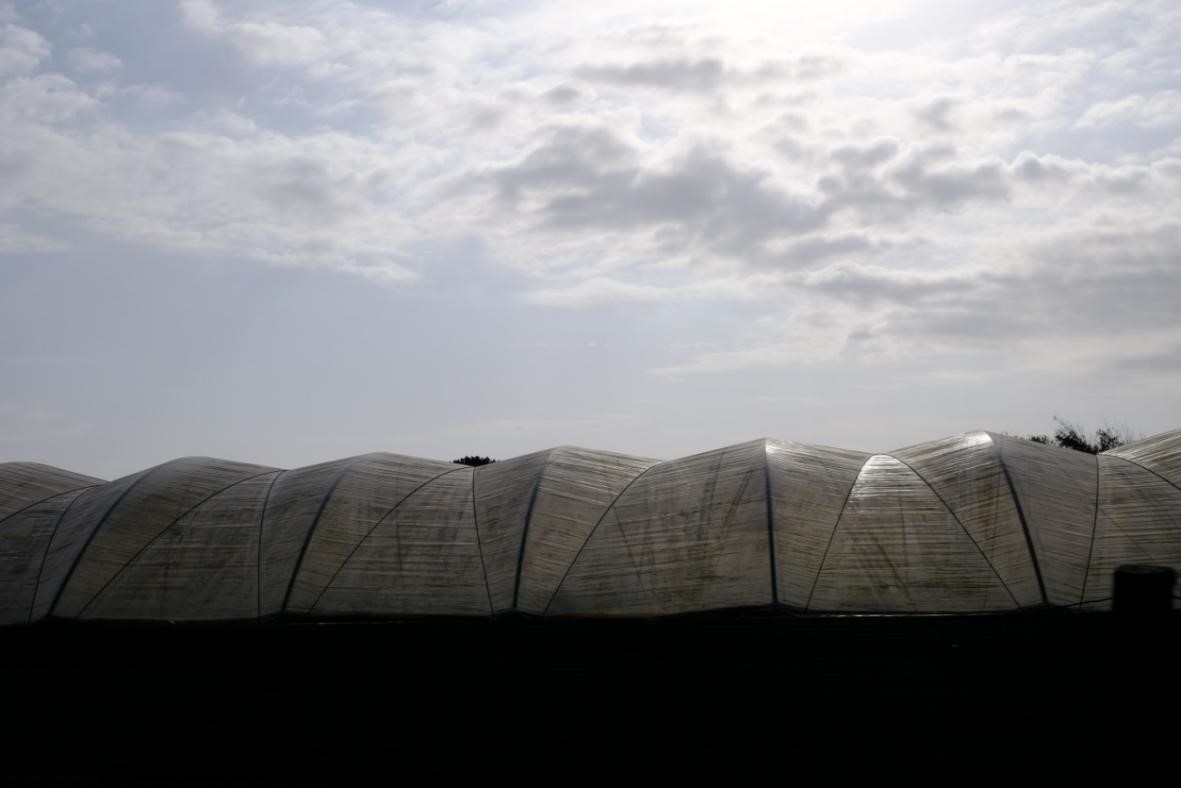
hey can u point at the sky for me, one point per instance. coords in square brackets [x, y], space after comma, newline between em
[288, 232]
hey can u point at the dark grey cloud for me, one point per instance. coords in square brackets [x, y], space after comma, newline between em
[304, 188]
[920, 179]
[863, 193]
[815, 67]
[792, 149]
[1141, 246]
[1035, 170]
[950, 186]
[821, 247]
[1167, 361]
[704, 74]
[874, 286]
[793, 121]
[864, 157]
[980, 319]
[1011, 115]
[572, 157]
[719, 205]
[658, 34]
[487, 118]
[588, 179]
[562, 94]
[1107, 284]
[937, 114]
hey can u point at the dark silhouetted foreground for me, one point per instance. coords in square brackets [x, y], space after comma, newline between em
[747, 695]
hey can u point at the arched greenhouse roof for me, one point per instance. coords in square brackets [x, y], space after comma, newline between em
[974, 523]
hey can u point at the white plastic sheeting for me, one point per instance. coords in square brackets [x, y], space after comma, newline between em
[809, 488]
[689, 534]
[370, 492]
[572, 490]
[1139, 522]
[33, 499]
[202, 566]
[978, 522]
[24, 484]
[1055, 490]
[146, 510]
[899, 548]
[423, 558]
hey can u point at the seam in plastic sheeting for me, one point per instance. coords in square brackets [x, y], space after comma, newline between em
[585, 542]
[307, 539]
[94, 532]
[1113, 520]
[480, 545]
[1094, 529]
[735, 502]
[46, 499]
[525, 530]
[163, 531]
[709, 483]
[1161, 451]
[76, 491]
[770, 524]
[1142, 466]
[712, 486]
[631, 559]
[369, 533]
[262, 521]
[1115, 524]
[49, 543]
[833, 533]
[1033, 558]
[968, 534]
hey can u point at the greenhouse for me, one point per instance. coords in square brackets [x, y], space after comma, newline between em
[978, 522]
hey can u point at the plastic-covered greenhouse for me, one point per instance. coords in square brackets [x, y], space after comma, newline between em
[979, 522]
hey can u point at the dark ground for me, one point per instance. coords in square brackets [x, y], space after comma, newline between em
[751, 695]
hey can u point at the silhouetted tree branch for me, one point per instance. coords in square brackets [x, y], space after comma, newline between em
[1070, 436]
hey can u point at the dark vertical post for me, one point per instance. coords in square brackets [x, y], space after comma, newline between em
[1142, 730]
[1143, 592]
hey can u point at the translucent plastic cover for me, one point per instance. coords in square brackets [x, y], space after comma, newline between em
[978, 522]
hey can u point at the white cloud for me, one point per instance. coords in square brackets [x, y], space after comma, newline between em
[201, 14]
[223, 187]
[44, 98]
[264, 41]
[21, 50]
[276, 44]
[14, 240]
[830, 196]
[86, 60]
[692, 158]
[146, 95]
[1154, 111]
[1092, 297]
[601, 289]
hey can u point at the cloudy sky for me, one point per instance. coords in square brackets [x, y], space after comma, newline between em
[286, 232]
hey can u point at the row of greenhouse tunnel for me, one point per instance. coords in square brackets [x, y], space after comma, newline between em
[974, 523]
